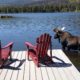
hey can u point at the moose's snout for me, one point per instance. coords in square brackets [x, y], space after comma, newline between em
[56, 36]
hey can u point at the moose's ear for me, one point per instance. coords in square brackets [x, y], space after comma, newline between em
[63, 28]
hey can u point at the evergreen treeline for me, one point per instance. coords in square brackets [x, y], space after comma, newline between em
[42, 8]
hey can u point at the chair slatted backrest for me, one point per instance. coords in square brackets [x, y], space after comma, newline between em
[43, 43]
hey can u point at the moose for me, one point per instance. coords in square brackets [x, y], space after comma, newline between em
[67, 40]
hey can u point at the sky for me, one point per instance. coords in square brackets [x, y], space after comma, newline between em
[7, 1]
[14, 2]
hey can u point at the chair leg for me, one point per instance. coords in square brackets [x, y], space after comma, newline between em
[10, 57]
[2, 62]
[36, 62]
[28, 56]
[51, 49]
[38, 65]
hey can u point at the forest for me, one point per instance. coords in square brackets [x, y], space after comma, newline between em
[71, 7]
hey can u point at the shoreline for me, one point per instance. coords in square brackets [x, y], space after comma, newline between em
[74, 56]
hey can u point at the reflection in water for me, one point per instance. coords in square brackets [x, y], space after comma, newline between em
[28, 26]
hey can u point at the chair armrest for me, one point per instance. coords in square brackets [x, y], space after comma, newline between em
[8, 45]
[30, 45]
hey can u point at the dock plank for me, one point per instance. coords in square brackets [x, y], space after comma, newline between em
[44, 73]
[15, 72]
[10, 71]
[32, 71]
[38, 74]
[50, 73]
[21, 71]
[26, 68]
[56, 73]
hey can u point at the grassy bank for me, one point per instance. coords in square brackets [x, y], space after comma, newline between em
[74, 57]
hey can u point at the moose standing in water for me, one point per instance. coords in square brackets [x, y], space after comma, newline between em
[67, 40]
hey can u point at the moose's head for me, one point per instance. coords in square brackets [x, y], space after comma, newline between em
[58, 32]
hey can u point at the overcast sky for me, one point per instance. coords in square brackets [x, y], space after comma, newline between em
[11, 1]
[7, 1]
[16, 2]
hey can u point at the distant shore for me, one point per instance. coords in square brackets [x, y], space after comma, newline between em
[70, 7]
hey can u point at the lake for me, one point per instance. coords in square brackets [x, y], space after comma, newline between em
[28, 26]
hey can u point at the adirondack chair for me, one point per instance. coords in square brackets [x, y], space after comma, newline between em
[5, 52]
[38, 53]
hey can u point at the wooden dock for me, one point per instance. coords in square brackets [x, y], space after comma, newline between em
[22, 69]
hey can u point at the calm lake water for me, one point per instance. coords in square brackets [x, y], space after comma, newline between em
[28, 26]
